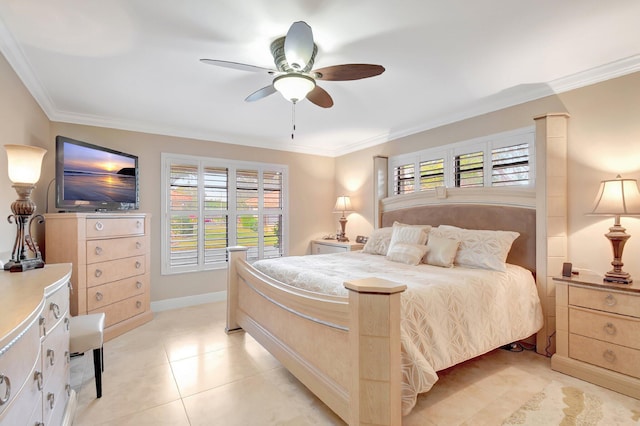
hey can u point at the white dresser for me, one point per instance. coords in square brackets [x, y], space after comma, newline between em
[34, 347]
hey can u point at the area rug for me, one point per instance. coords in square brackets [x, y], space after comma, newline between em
[563, 405]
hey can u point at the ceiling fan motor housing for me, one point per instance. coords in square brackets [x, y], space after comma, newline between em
[280, 60]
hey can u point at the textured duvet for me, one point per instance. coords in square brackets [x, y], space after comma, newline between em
[449, 315]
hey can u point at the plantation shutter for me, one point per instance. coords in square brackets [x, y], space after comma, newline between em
[273, 214]
[403, 179]
[247, 218]
[469, 170]
[183, 206]
[216, 238]
[431, 174]
[510, 165]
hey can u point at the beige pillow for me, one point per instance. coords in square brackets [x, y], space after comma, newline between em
[409, 234]
[411, 254]
[441, 251]
[481, 248]
[378, 242]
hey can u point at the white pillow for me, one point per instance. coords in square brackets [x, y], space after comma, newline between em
[441, 251]
[409, 234]
[481, 248]
[378, 242]
[411, 254]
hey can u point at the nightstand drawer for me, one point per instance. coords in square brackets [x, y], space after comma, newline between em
[606, 355]
[611, 328]
[608, 301]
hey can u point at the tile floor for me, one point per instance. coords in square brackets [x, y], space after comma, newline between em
[182, 369]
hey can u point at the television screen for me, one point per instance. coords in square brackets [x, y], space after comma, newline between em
[91, 177]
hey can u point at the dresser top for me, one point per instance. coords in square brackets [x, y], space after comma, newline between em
[597, 281]
[22, 295]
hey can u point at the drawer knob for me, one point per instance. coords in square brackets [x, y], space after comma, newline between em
[138, 245]
[98, 296]
[138, 224]
[98, 250]
[52, 400]
[55, 309]
[138, 284]
[66, 322]
[7, 389]
[98, 273]
[610, 329]
[38, 378]
[138, 304]
[67, 356]
[42, 323]
[610, 300]
[51, 354]
[99, 226]
[138, 264]
[609, 356]
[68, 389]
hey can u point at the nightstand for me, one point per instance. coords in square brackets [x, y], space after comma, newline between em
[598, 332]
[333, 246]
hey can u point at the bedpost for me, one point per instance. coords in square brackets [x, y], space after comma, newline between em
[235, 253]
[374, 341]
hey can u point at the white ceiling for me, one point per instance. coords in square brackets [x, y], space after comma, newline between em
[134, 64]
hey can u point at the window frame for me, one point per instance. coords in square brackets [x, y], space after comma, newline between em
[232, 211]
[450, 152]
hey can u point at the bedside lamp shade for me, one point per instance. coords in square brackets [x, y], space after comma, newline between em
[617, 197]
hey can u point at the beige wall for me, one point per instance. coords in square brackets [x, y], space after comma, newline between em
[604, 140]
[311, 183]
[22, 122]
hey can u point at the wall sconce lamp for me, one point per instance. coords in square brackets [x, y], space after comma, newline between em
[24, 164]
[343, 205]
[617, 197]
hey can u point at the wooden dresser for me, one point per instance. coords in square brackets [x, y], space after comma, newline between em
[111, 264]
[598, 332]
[34, 347]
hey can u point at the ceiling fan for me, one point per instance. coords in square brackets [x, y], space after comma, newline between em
[294, 56]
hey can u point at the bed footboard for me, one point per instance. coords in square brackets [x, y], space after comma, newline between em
[346, 351]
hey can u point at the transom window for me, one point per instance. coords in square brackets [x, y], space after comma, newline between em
[503, 159]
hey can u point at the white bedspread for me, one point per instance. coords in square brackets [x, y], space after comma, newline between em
[448, 315]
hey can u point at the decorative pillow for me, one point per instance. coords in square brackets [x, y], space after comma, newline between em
[411, 254]
[409, 234]
[378, 242]
[481, 248]
[441, 251]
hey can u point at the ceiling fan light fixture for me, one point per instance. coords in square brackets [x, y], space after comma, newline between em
[294, 87]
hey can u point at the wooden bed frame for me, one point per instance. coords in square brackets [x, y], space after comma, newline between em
[347, 351]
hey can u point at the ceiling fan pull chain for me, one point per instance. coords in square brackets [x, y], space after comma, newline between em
[293, 120]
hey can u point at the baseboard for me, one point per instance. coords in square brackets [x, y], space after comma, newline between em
[183, 302]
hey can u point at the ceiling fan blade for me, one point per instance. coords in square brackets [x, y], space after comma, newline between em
[261, 93]
[348, 72]
[320, 97]
[237, 66]
[298, 45]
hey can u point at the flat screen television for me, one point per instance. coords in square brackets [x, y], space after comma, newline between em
[94, 178]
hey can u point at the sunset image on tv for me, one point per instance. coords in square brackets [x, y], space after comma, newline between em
[96, 175]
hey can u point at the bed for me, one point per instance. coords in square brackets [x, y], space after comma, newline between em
[356, 340]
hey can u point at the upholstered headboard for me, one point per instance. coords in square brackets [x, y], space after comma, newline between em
[476, 216]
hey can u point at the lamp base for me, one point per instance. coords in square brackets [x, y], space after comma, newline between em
[619, 279]
[23, 265]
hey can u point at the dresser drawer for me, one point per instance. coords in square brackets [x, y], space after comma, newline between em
[56, 307]
[17, 363]
[624, 304]
[56, 395]
[112, 292]
[113, 270]
[607, 355]
[55, 352]
[124, 309]
[114, 227]
[117, 248]
[27, 400]
[621, 330]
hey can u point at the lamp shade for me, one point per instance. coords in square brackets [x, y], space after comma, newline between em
[24, 163]
[617, 197]
[343, 204]
[294, 87]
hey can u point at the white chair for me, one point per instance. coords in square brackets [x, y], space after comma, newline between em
[85, 332]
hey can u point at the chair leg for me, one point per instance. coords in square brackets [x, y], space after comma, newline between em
[97, 368]
[102, 357]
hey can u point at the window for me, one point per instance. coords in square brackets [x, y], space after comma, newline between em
[210, 204]
[496, 160]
